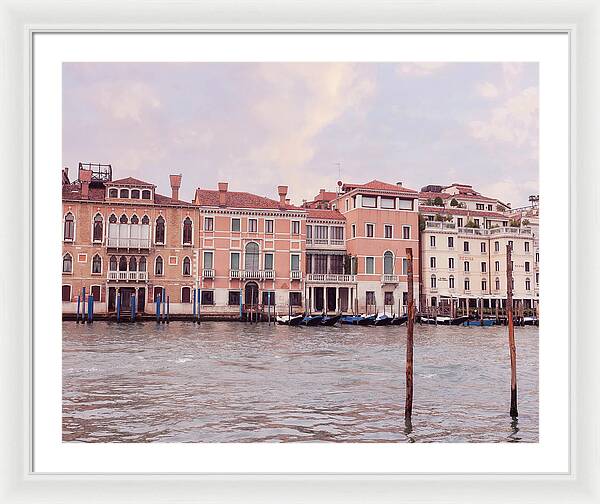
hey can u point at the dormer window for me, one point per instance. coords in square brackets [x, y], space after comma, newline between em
[113, 193]
[135, 194]
[146, 194]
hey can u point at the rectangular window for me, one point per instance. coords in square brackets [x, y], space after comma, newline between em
[268, 261]
[370, 297]
[404, 266]
[95, 292]
[208, 260]
[268, 298]
[483, 247]
[459, 221]
[369, 201]
[466, 265]
[321, 234]
[370, 230]
[466, 246]
[387, 231]
[369, 265]
[527, 267]
[484, 285]
[353, 230]
[234, 298]
[236, 225]
[66, 293]
[467, 284]
[406, 204]
[432, 241]
[336, 264]
[347, 202]
[537, 278]
[496, 246]
[388, 298]
[337, 233]
[295, 227]
[320, 263]
[252, 225]
[235, 261]
[490, 208]
[295, 262]
[483, 267]
[185, 295]
[537, 257]
[451, 242]
[451, 282]
[389, 203]
[209, 224]
[406, 232]
[476, 221]
[207, 298]
[479, 206]
[451, 263]
[497, 265]
[510, 244]
[269, 226]
[526, 246]
[295, 298]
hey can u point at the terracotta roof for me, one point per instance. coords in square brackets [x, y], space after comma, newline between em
[130, 181]
[233, 199]
[461, 211]
[432, 195]
[73, 192]
[325, 196]
[160, 199]
[377, 185]
[314, 213]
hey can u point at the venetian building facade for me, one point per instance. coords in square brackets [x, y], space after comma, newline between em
[464, 237]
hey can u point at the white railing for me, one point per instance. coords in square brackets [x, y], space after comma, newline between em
[324, 242]
[255, 274]
[234, 273]
[472, 231]
[296, 275]
[127, 276]
[208, 273]
[389, 279]
[510, 230]
[330, 278]
[137, 243]
[439, 225]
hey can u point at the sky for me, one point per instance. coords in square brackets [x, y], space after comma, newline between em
[307, 125]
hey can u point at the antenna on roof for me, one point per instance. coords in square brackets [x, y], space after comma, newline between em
[339, 165]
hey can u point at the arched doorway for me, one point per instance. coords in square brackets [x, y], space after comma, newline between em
[251, 294]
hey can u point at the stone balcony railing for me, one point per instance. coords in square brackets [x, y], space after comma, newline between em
[208, 273]
[389, 279]
[330, 278]
[325, 243]
[296, 275]
[252, 274]
[439, 225]
[127, 276]
[128, 243]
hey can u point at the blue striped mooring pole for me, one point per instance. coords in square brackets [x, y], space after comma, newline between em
[119, 307]
[133, 307]
[90, 309]
[78, 307]
[158, 309]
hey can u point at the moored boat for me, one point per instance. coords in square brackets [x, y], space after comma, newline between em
[350, 319]
[331, 320]
[312, 320]
[459, 320]
[382, 319]
[398, 320]
[291, 321]
[479, 323]
[367, 319]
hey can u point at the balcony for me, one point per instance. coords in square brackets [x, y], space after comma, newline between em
[324, 243]
[389, 279]
[439, 225]
[330, 278]
[252, 274]
[208, 273]
[127, 276]
[128, 243]
[296, 275]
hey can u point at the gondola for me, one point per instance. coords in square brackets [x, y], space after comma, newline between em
[427, 320]
[479, 323]
[382, 319]
[296, 320]
[312, 320]
[398, 320]
[530, 321]
[331, 321]
[350, 319]
[367, 319]
[459, 320]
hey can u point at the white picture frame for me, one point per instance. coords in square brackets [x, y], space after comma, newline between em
[19, 21]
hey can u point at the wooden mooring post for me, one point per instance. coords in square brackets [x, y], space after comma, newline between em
[410, 325]
[511, 333]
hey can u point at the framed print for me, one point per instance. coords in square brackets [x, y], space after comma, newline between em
[343, 254]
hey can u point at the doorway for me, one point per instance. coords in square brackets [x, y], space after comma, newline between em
[251, 294]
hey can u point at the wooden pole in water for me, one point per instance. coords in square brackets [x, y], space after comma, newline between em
[511, 333]
[409, 340]
[78, 307]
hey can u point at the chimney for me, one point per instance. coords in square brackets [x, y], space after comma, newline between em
[399, 184]
[282, 190]
[287, 201]
[222, 194]
[85, 177]
[175, 185]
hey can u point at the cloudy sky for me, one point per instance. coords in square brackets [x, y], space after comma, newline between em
[258, 125]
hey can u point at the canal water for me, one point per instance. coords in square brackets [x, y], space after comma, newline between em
[235, 382]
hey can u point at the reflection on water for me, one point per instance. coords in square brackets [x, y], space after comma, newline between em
[234, 382]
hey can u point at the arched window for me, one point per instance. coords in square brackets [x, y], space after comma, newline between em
[123, 219]
[433, 282]
[159, 234]
[145, 220]
[69, 231]
[146, 194]
[135, 194]
[251, 259]
[185, 295]
[123, 263]
[124, 193]
[112, 264]
[67, 263]
[132, 264]
[527, 284]
[158, 266]
[187, 270]
[98, 228]
[497, 283]
[451, 282]
[388, 263]
[432, 262]
[187, 231]
[113, 193]
[135, 220]
[96, 264]
[112, 219]
[142, 264]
